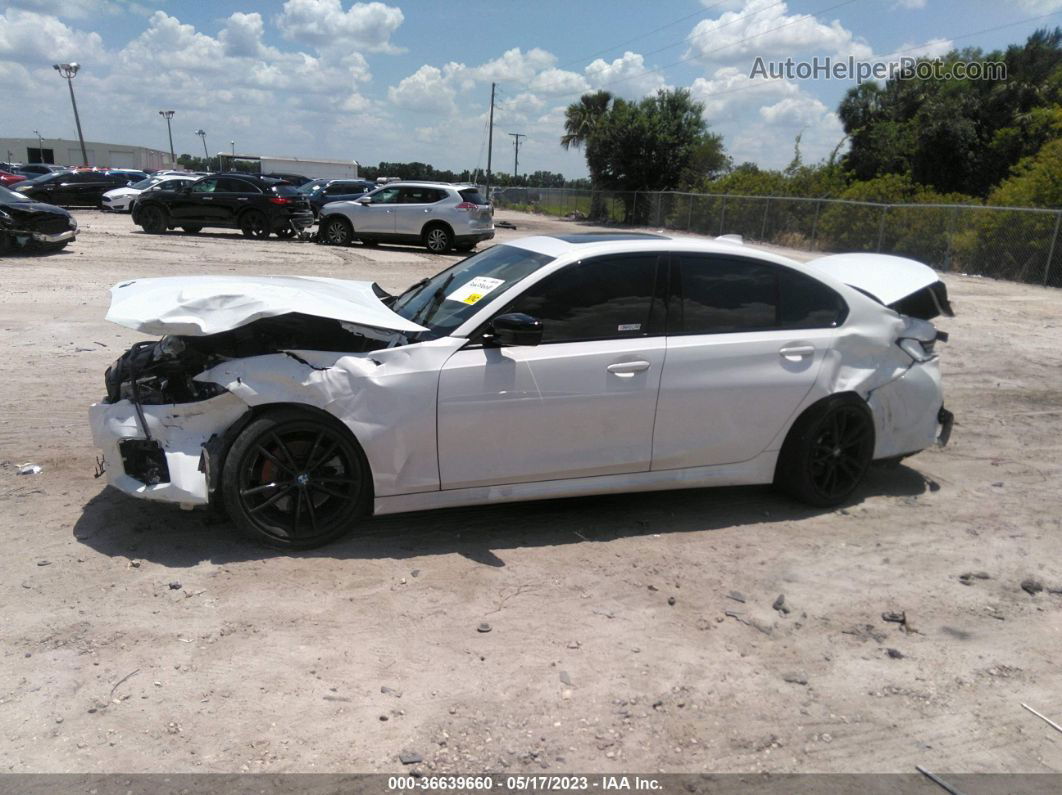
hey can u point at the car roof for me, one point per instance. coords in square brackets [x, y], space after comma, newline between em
[594, 243]
[424, 183]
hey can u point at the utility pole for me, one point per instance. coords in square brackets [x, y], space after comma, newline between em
[69, 71]
[167, 115]
[490, 139]
[40, 146]
[202, 134]
[516, 154]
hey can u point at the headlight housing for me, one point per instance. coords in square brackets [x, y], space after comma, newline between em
[919, 350]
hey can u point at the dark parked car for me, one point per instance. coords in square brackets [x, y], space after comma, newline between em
[255, 205]
[322, 191]
[28, 224]
[37, 169]
[74, 188]
[298, 180]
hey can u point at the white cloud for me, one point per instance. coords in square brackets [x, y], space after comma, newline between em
[730, 86]
[1041, 6]
[514, 66]
[625, 77]
[559, 81]
[77, 9]
[424, 90]
[764, 28]
[36, 39]
[910, 4]
[324, 24]
[933, 48]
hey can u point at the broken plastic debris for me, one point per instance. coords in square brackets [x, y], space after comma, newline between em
[29, 469]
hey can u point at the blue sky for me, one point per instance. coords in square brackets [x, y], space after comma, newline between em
[411, 80]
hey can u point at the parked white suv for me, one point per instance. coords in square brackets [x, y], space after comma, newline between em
[438, 215]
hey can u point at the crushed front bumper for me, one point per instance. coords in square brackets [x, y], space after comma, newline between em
[58, 237]
[168, 467]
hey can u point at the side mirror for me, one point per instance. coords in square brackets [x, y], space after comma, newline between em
[365, 200]
[515, 328]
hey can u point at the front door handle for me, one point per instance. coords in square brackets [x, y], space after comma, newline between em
[796, 351]
[627, 369]
[208, 198]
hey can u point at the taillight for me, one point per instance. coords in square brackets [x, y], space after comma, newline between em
[279, 200]
[467, 206]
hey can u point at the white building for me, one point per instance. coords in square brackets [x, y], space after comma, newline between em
[67, 152]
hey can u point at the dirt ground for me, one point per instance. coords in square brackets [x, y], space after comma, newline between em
[140, 638]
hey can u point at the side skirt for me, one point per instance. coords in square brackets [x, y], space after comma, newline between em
[757, 471]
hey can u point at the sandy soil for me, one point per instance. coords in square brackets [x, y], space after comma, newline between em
[139, 638]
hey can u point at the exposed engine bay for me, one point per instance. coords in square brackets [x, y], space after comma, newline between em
[156, 372]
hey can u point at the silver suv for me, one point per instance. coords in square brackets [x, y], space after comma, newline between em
[438, 215]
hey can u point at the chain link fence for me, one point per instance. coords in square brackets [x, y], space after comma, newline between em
[1015, 243]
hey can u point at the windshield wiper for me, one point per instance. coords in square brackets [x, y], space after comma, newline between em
[436, 299]
[393, 300]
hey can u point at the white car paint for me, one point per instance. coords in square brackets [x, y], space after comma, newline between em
[121, 200]
[202, 305]
[444, 423]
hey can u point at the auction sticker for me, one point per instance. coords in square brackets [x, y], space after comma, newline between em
[473, 291]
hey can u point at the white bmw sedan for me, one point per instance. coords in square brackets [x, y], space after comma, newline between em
[546, 367]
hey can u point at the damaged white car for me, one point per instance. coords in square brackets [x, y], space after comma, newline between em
[546, 367]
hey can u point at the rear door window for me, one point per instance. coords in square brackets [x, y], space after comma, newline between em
[719, 295]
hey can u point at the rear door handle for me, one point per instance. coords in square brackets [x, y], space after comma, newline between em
[208, 198]
[627, 369]
[796, 351]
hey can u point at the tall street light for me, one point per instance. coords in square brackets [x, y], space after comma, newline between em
[69, 71]
[202, 134]
[232, 162]
[167, 115]
[40, 146]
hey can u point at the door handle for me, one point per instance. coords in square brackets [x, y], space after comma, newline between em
[208, 198]
[241, 199]
[627, 369]
[796, 351]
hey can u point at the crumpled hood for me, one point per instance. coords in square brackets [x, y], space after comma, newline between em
[197, 306]
[27, 209]
[887, 278]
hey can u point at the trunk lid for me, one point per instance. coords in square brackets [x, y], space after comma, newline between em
[904, 285]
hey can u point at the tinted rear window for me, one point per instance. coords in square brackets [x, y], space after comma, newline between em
[472, 195]
[286, 190]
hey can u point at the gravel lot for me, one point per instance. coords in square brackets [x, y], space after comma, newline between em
[139, 638]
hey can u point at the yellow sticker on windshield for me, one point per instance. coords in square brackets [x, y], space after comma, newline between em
[474, 290]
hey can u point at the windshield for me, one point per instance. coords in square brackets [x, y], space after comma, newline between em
[144, 184]
[10, 197]
[44, 177]
[448, 299]
[313, 185]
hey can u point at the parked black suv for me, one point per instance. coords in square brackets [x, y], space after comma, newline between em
[75, 188]
[257, 206]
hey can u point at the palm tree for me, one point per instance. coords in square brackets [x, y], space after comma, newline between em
[581, 117]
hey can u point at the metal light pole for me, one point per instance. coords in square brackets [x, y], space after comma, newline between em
[516, 154]
[232, 161]
[69, 71]
[202, 134]
[167, 115]
[40, 146]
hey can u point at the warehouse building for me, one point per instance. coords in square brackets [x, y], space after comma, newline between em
[67, 152]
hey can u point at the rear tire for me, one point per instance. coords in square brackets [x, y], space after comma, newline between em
[295, 479]
[152, 220]
[438, 239]
[336, 231]
[827, 452]
[192, 230]
[254, 224]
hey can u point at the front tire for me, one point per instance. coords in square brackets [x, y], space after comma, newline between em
[827, 452]
[152, 220]
[336, 231]
[295, 479]
[438, 239]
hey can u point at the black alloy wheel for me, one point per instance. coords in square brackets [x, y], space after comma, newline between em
[827, 453]
[254, 223]
[152, 220]
[294, 479]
